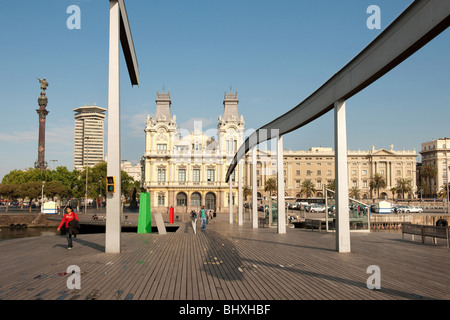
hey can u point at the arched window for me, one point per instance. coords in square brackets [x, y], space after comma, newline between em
[181, 199]
[210, 201]
[196, 199]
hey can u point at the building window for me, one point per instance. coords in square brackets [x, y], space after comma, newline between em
[297, 184]
[161, 175]
[181, 199]
[161, 199]
[211, 175]
[308, 172]
[319, 172]
[231, 146]
[196, 199]
[328, 172]
[297, 172]
[182, 175]
[364, 172]
[196, 175]
[160, 147]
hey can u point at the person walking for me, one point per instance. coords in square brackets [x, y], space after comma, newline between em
[67, 218]
[203, 218]
[194, 221]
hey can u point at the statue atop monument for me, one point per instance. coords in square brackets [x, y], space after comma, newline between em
[44, 85]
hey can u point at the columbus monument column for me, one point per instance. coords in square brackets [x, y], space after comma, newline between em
[42, 112]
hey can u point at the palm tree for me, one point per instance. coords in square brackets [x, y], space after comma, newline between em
[246, 191]
[394, 190]
[443, 192]
[331, 185]
[270, 188]
[428, 171]
[377, 182]
[354, 192]
[403, 185]
[308, 188]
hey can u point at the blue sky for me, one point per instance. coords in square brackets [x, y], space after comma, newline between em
[273, 53]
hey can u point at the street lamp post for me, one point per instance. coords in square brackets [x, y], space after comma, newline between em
[87, 172]
[446, 173]
[42, 197]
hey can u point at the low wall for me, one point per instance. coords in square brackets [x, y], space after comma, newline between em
[39, 220]
[423, 219]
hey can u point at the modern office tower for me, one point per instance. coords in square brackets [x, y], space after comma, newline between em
[89, 136]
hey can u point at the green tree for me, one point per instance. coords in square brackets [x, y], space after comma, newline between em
[8, 192]
[443, 191]
[56, 188]
[307, 188]
[331, 185]
[377, 182]
[394, 190]
[247, 191]
[31, 190]
[428, 172]
[403, 186]
[354, 192]
[270, 187]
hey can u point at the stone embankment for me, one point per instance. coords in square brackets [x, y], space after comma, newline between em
[36, 220]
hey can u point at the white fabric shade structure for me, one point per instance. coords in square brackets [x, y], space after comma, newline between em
[415, 27]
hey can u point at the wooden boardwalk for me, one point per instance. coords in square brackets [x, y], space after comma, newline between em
[225, 262]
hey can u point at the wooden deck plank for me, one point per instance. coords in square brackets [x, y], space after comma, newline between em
[158, 275]
[257, 265]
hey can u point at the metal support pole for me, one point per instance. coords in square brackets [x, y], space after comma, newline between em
[113, 207]
[254, 191]
[240, 196]
[281, 215]
[341, 181]
[230, 201]
[325, 192]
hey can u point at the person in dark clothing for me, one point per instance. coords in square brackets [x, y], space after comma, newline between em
[68, 217]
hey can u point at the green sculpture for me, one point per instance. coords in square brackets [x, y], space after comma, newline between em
[145, 221]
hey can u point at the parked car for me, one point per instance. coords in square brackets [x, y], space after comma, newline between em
[292, 205]
[409, 209]
[398, 209]
[317, 208]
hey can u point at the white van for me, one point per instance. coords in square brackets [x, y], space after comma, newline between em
[50, 207]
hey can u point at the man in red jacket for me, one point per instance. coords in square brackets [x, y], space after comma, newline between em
[68, 216]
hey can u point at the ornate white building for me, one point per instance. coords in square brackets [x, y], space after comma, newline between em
[187, 169]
